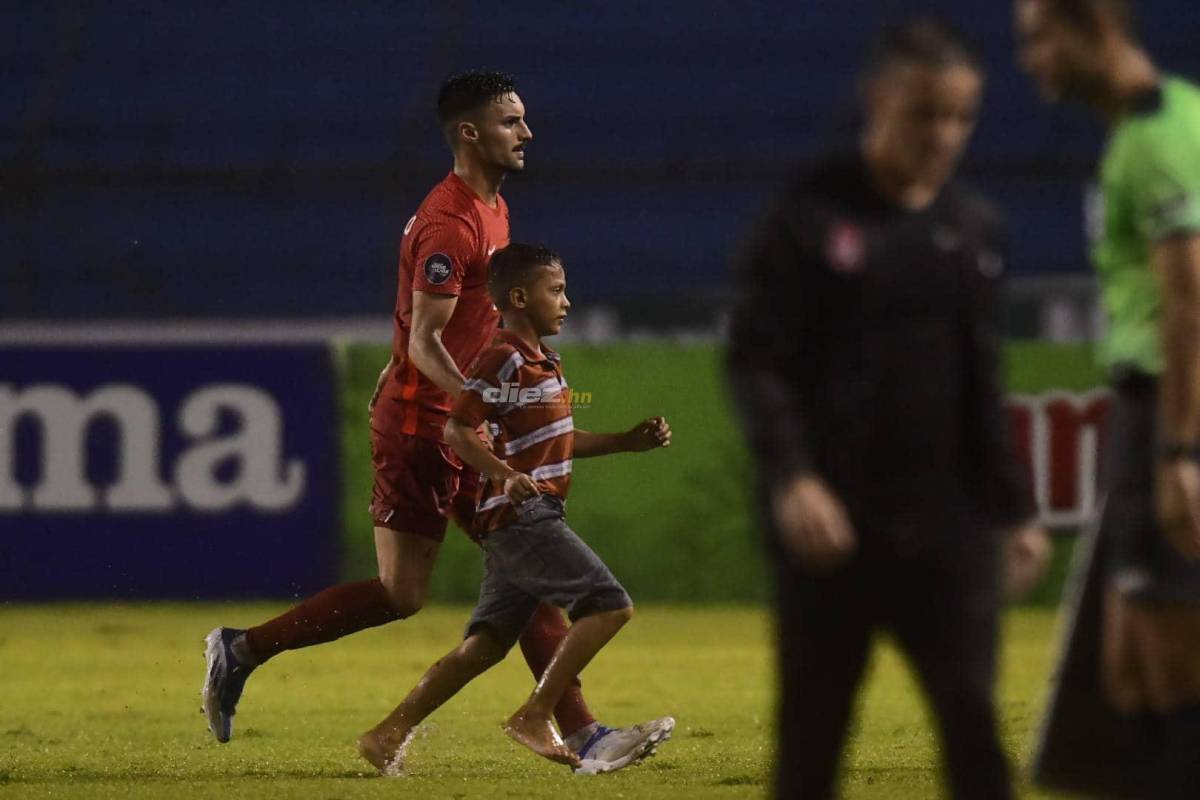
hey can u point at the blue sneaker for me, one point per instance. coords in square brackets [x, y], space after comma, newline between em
[611, 749]
[224, 682]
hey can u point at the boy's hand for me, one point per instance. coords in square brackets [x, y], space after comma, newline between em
[647, 435]
[519, 487]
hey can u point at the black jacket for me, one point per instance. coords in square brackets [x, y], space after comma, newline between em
[865, 347]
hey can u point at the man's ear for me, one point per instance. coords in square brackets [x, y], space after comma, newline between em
[518, 297]
[468, 132]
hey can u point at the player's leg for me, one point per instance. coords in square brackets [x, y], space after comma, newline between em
[384, 744]
[1151, 638]
[405, 564]
[945, 616]
[530, 724]
[414, 482]
[1152, 669]
[824, 637]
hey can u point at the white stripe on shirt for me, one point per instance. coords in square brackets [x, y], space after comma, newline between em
[564, 425]
[477, 385]
[548, 471]
[514, 363]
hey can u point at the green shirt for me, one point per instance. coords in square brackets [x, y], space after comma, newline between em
[1150, 183]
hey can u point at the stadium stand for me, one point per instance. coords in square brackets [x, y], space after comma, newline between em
[160, 161]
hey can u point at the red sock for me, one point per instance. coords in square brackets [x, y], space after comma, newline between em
[539, 643]
[328, 615]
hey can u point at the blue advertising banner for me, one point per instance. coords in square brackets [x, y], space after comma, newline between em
[175, 471]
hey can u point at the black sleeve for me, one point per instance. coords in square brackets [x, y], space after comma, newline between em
[1003, 486]
[763, 344]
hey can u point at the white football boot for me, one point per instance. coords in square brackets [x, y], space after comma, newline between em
[610, 749]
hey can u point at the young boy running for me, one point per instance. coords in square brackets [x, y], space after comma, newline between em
[531, 554]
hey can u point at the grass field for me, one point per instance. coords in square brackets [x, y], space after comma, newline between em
[101, 701]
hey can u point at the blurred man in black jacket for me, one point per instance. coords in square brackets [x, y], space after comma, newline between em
[865, 364]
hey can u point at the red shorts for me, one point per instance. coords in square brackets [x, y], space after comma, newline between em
[420, 484]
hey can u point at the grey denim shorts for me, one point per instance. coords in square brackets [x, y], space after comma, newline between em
[539, 559]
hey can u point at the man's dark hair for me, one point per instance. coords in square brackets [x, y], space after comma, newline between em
[1085, 15]
[467, 92]
[515, 266]
[925, 42]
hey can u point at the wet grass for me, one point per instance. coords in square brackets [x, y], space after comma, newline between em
[102, 701]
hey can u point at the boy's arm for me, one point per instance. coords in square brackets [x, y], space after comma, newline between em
[646, 435]
[463, 438]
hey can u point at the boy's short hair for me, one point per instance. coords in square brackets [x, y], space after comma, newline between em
[514, 266]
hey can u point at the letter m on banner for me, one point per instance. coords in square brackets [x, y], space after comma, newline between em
[1060, 437]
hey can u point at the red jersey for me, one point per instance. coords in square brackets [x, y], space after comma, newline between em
[446, 249]
[523, 394]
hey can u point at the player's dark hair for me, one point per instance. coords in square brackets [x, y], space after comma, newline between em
[468, 92]
[515, 266]
[923, 41]
[1085, 15]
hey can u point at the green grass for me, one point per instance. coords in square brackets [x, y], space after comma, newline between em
[693, 500]
[101, 701]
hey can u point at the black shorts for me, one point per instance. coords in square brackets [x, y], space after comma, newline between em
[1142, 564]
[539, 559]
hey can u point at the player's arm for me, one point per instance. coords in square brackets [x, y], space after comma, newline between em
[1004, 490]
[431, 312]
[1006, 495]
[760, 353]
[812, 524]
[1176, 261]
[646, 435]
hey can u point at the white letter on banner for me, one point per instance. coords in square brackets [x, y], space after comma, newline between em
[256, 446]
[64, 419]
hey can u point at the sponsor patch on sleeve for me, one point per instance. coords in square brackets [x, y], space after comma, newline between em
[438, 269]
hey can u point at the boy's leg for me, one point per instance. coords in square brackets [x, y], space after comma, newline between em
[503, 611]
[531, 725]
[545, 631]
[383, 745]
[539, 643]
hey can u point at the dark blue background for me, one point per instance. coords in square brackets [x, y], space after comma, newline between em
[225, 159]
[183, 553]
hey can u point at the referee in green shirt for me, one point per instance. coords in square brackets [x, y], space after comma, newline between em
[1147, 256]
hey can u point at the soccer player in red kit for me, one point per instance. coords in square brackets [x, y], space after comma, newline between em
[444, 319]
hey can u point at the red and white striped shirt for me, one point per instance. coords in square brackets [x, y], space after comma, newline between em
[524, 396]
